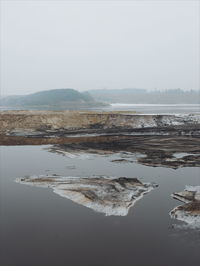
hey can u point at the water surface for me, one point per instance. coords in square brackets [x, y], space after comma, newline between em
[39, 227]
[156, 108]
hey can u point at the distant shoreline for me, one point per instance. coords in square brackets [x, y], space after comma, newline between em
[155, 104]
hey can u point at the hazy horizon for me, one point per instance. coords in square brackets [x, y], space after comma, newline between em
[88, 45]
[93, 90]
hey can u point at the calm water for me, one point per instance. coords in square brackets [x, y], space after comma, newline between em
[156, 108]
[41, 228]
[146, 108]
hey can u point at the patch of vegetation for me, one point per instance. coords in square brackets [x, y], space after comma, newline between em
[57, 99]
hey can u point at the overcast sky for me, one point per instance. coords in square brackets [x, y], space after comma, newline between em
[92, 45]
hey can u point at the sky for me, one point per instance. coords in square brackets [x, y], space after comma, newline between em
[99, 44]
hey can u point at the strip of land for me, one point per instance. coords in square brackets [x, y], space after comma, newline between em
[163, 140]
[70, 123]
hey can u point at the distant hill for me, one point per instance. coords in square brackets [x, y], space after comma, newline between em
[142, 96]
[58, 99]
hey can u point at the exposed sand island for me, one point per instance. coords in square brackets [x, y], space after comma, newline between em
[190, 211]
[111, 196]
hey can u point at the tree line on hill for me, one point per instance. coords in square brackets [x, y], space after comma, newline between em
[63, 99]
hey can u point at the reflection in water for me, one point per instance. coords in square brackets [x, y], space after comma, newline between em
[190, 211]
[111, 196]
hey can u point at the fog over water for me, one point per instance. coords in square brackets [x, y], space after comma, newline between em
[92, 45]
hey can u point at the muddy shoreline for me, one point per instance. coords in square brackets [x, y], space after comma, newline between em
[68, 123]
[157, 137]
[156, 150]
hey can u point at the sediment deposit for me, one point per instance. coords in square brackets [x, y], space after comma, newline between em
[108, 195]
[190, 211]
[158, 137]
[64, 123]
[157, 151]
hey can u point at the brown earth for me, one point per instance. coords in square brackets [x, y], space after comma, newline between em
[61, 123]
